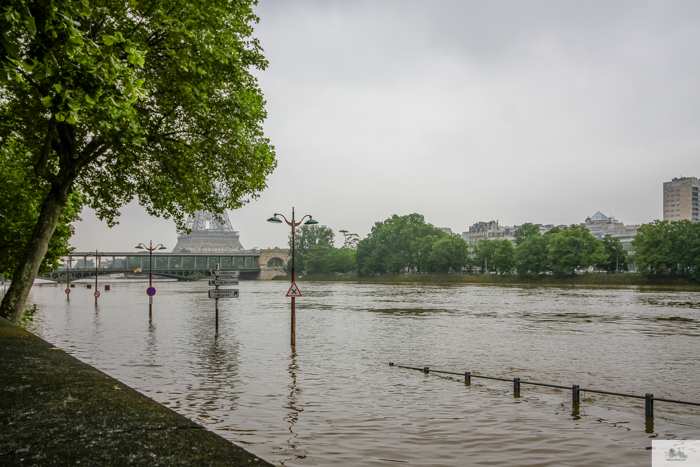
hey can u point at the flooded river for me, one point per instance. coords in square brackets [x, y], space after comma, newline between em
[334, 400]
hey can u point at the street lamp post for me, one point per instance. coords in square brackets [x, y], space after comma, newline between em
[150, 249]
[293, 224]
[97, 293]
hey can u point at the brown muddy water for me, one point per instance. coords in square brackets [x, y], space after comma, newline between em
[334, 399]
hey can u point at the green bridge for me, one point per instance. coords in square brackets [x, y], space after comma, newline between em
[182, 266]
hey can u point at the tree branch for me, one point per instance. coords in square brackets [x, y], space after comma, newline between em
[41, 166]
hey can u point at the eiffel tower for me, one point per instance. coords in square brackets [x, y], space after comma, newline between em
[208, 235]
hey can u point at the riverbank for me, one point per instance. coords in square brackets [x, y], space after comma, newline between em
[56, 410]
[613, 280]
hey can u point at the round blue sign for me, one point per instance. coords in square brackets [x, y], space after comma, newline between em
[151, 291]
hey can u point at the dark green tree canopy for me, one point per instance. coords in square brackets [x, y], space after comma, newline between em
[20, 200]
[122, 99]
[398, 243]
[150, 99]
[615, 255]
[306, 237]
[447, 254]
[573, 248]
[531, 256]
[525, 232]
[664, 247]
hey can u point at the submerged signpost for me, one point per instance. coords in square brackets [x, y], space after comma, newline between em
[222, 278]
[293, 292]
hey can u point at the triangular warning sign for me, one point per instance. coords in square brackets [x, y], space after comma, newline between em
[294, 291]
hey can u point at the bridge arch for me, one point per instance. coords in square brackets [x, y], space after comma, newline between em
[273, 262]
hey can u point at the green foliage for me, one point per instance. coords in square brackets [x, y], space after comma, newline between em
[350, 240]
[329, 260]
[483, 254]
[653, 248]
[531, 256]
[27, 316]
[504, 257]
[121, 99]
[664, 247]
[20, 202]
[305, 237]
[116, 100]
[574, 248]
[397, 244]
[448, 254]
[615, 255]
[526, 232]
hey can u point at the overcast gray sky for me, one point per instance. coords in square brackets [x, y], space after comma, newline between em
[464, 111]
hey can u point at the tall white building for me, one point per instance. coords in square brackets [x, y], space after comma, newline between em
[681, 199]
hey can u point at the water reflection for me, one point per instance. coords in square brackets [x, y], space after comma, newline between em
[293, 407]
[151, 343]
[245, 385]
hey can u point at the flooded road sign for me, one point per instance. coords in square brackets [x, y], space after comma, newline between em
[224, 282]
[223, 293]
[151, 291]
[293, 291]
[226, 274]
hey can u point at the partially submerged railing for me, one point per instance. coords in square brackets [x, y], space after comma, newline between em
[575, 389]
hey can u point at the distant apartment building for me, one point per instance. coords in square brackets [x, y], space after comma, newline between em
[601, 225]
[681, 199]
[480, 231]
[447, 230]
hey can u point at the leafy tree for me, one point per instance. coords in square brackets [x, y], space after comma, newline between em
[574, 248]
[350, 240]
[504, 257]
[531, 256]
[448, 254]
[685, 241]
[615, 255]
[652, 246]
[328, 260]
[398, 243]
[664, 247]
[483, 253]
[20, 200]
[304, 238]
[120, 99]
[525, 232]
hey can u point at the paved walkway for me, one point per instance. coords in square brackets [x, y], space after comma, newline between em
[56, 410]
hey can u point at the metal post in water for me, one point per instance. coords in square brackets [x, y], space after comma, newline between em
[575, 394]
[426, 369]
[516, 387]
[467, 378]
[649, 405]
[293, 317]
[216, 300]
[96, 292]
[68, 281]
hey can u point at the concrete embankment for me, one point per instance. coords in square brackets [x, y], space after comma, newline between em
[56, 410]
[606, 280]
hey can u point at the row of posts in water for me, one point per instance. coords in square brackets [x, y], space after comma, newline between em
[575, 389]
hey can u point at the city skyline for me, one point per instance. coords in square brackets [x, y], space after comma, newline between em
[540, 112]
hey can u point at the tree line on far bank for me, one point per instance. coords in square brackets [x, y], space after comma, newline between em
[407, 243]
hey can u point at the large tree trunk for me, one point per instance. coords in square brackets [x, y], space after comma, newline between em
[34, 252]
